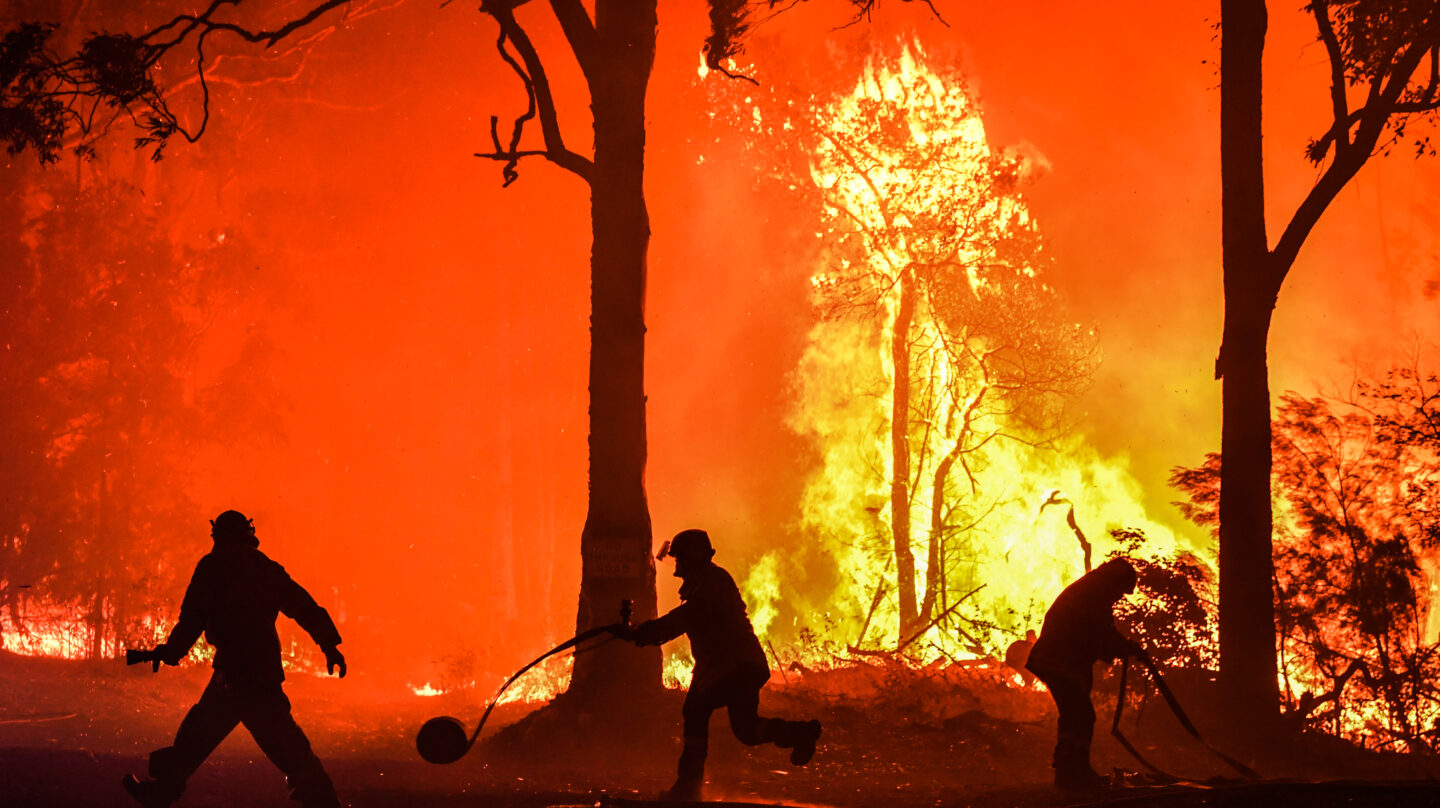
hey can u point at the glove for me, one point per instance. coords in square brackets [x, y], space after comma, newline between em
[334, 658]
[644, 634]
[170, 656]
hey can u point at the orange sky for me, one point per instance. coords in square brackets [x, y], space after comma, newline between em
[430, 327]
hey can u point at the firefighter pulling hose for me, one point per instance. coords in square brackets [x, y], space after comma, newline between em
[730, 665]
[1078, 631]
[730, 669]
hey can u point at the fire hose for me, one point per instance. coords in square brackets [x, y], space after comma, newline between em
[444, 740]
[1169, 696]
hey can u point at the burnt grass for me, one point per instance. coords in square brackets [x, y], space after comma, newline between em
[893, 735]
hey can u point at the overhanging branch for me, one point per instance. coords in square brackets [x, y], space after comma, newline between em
[541, 102]
[1340, 132]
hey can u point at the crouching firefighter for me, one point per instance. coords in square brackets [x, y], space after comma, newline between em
[1079, 630]
[234, 598]
[730, 666]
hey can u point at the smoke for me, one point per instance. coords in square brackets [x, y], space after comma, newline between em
[417, 336]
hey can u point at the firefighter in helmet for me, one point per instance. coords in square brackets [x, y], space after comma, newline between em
[730, 666]
[1079, 630]
[234, 598]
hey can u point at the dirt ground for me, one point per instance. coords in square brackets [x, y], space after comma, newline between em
[892, 736]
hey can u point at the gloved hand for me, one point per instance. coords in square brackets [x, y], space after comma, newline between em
[333, 659]
[644, 634]
[170, 656]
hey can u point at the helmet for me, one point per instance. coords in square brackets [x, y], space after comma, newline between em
[1120, 572]
[689, 544]
[233, 526]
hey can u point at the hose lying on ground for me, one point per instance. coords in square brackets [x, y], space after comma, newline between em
[1169, 696]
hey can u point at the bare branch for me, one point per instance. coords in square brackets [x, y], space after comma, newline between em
[540, 100]
[1340, 131]
[206, 21]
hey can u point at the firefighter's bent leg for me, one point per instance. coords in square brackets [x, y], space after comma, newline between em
[797, 736]
[204, 727]
[752, 730]
[266, 714]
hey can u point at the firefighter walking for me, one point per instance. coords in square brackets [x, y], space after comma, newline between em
[234, 598]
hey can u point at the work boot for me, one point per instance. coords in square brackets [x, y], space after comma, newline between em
[1078, 778]
[685, 790]
[152, 793]
[806, 736]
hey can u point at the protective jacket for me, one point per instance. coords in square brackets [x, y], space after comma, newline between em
[1079, 629]
[234, 598]
[712, 614]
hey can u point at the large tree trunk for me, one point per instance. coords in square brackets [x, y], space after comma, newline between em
[900, 456]
[616, 542]
[1247, 613]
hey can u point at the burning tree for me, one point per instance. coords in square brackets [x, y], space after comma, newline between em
[1353, 487]
[100, 327]
[931, 302]
[1384, 61]
[45, 98]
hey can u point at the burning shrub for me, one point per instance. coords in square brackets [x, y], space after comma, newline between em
[1353, 486]
[1174, 615]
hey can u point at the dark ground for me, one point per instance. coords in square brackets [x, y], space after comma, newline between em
[893, 736]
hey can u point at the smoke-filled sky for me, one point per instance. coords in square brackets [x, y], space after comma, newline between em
[427, 329]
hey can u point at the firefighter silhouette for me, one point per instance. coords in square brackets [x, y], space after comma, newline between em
[1079, 630]
[234, 597]
[730, 666]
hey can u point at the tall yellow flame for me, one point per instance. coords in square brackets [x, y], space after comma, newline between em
[933, 309]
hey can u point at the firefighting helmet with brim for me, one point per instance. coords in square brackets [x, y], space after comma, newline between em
[232, 525]
[1121, 573]
[689, 544]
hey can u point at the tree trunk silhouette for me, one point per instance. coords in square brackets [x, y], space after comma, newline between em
[615, 545]
[1247, 613]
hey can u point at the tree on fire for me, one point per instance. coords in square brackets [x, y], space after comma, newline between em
[1171, 619]
[45, 98]
[1354, 485]
[1384, 60]
[94, 478]
[930, 244]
